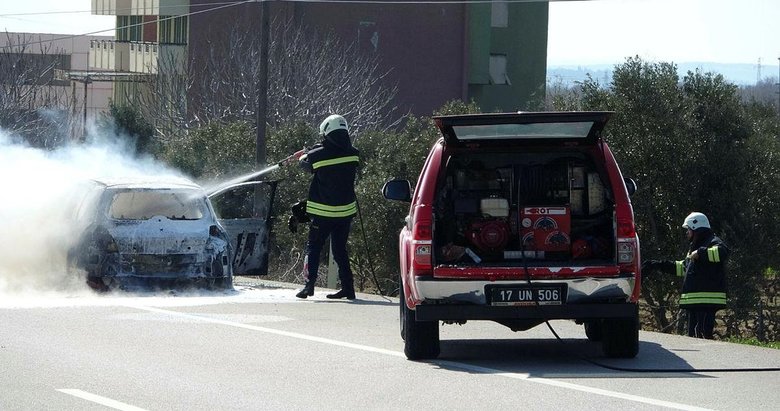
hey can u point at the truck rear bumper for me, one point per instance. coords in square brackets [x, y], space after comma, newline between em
[456, 312]
[584, 290]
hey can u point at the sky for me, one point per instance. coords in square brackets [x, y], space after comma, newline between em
[580, 32]
[716, 31]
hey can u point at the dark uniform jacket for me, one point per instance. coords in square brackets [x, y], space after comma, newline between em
[334, 165]
[704, 284]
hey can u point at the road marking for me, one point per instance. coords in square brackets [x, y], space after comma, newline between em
[272, 331]
[108, 402]
[454, 364]
[568, 385]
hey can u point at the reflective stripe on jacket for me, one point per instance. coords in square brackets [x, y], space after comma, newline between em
[325, 210]
[705, 277]
[334, 165]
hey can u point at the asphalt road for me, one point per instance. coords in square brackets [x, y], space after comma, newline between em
[261, 348]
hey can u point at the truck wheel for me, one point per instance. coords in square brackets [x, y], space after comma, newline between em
[620, 337]
[594, 330]
[421, 338]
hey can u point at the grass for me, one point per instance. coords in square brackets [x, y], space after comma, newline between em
[754, 341]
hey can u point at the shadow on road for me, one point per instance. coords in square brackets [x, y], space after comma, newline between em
[552, 358]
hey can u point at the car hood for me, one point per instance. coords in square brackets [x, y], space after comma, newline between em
[528, 128]
[161, 235]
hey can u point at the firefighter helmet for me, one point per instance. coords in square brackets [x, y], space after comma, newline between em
[696, 220]
[333, 122]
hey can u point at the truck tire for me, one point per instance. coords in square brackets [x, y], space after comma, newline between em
[594, 330]
[620, 337]
[421, 338]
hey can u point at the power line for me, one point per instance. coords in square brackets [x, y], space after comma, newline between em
[45, 13]
[223, 5]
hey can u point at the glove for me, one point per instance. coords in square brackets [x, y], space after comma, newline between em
[292, 224]
[657, 265]
[299, 212]
[648, 265]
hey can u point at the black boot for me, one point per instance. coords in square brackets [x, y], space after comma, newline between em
[307, 290]
[349, 293]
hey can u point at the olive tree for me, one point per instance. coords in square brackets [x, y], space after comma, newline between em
[692, 145]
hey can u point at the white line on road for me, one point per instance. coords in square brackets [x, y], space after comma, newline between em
[454, 364]
[576, 387]
[108, 402]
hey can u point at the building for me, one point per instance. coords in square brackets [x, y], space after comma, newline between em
[55, 55]
[493, 53]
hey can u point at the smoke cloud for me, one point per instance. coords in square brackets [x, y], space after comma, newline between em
[37, 188]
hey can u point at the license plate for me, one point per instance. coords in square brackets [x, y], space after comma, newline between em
[552, 294]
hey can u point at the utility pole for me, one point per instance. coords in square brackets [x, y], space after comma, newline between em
[261, 207]
[262, 85]
[778, 86]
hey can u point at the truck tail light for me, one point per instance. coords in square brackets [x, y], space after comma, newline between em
[422, 255]
[421, 246]
[626, 251]
[422, 231]
[625, 227]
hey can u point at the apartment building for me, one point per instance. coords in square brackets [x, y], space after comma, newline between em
[493, 53]
[57, 55]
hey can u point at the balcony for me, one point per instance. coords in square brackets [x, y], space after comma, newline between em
[137, 57]
[140, 7]
[109, 55]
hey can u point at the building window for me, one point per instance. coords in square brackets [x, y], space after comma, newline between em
[368, 36]
[128, 28]
[498, 69]
[173, 30]
[180, 30]
[499, 14]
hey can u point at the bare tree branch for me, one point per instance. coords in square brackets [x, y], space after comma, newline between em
[32, 104]
[310, 76]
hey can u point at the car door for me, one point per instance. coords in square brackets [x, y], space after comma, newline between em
[244, 211]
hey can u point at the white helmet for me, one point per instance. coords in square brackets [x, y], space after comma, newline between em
[333, 122]
[696, 220]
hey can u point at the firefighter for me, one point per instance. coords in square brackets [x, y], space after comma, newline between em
[331, 203]
[704, 285]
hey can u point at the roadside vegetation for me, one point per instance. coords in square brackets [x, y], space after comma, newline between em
[691, 143]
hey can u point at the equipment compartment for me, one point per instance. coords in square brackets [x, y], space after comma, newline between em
[510, 209]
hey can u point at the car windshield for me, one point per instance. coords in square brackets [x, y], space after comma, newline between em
[145, 204]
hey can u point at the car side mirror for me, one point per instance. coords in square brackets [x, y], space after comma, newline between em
[400, 190]
[630, 185]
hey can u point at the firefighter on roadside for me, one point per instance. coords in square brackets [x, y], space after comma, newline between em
[704, 285]
[331, 203]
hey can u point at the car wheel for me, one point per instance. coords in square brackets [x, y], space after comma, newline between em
[224, 283]
[594, 330]
[620, 338]
[421, 338]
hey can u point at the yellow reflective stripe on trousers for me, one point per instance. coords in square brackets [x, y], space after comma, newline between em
[678, 265]
[713, 254]
[703, 298]
[334, 161]
[325, 210]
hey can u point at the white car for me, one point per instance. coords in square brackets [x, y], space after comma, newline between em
[133, 233]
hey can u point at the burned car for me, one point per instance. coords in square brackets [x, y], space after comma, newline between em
[148, 234]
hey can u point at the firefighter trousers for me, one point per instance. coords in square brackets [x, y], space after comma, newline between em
[338, 231]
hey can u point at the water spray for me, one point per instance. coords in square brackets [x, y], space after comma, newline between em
[247, 179]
